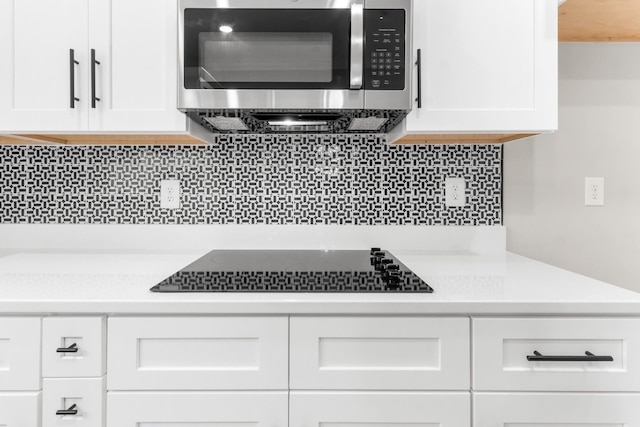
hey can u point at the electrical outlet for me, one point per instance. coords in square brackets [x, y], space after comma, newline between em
[454, 192]
[170, 194]
[594, 191]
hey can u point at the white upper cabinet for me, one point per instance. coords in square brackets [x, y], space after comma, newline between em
[136, 43]
[36, 38]
[486, 66]
[131, 89]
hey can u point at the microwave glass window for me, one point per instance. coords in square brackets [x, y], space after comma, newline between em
[267, 48]
[265, 57]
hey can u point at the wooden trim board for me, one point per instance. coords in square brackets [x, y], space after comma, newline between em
[599, 21]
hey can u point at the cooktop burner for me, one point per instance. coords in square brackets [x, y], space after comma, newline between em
[295, 271]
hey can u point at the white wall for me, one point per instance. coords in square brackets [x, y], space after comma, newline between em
[599, 135]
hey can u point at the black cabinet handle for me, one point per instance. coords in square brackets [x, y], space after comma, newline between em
[94, 98]
[73, 348]
[72, 75]
[589, 357]
[419, 65]
[70, 411]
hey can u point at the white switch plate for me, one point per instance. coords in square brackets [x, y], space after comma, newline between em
[170, 194]
[594, 191]
[454, 191]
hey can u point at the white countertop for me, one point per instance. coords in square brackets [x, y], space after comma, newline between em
[118, 282]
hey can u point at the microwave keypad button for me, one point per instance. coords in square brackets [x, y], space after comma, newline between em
[384, 45]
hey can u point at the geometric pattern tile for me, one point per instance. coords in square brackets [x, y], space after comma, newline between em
[252, 179]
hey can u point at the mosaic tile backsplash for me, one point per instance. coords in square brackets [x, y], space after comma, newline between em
[252, 179]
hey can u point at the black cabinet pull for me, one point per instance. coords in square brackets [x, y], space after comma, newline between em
[73, 348]
[588, 357]
[94, 98]
[72, 75]
[419, 65]
[70, 411]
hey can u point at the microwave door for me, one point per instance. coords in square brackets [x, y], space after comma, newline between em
[206, 79]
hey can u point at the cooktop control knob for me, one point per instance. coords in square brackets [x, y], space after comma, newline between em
[381, 264]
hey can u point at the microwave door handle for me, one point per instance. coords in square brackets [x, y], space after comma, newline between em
[357, 43]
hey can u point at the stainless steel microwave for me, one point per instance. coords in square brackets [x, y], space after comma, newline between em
[295, 65]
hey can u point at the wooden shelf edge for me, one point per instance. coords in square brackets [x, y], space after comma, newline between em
[585, 21]
[86, 139]
[423, 139]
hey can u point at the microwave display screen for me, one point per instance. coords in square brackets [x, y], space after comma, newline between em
[265, 57]
[267, 48]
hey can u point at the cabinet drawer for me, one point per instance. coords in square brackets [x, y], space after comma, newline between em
[376, 353]
[87, 394]
[556, 409]
[188, 409]
[502, 346]
[73, 346]
[197, 353]
[20, 353]
[375, 409]
[20, 409]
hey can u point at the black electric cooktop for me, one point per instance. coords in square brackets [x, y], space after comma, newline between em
[295, 271]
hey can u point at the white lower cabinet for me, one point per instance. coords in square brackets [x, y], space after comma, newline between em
[556, 410]
[201, 409]
[375, 409]
[556, 354]
[198, 353]
[20, 409]
[556, 372]
[73, 401]
[377, 353]
[20, 353]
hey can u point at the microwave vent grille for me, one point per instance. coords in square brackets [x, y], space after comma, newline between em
[226, 123]
[370, 124]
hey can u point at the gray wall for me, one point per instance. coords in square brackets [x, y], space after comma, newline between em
[599, 135]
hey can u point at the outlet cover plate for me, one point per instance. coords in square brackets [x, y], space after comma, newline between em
[455, 192]
[170, 194]
[594, 191]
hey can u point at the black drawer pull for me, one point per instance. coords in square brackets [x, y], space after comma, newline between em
[72, 75]
[589, 357]
[419, 72]
[94, 62]
[70, 411]
[71, 349]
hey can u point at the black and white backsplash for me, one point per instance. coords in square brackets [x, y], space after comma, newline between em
[251, 179]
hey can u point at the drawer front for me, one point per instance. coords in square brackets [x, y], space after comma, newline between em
[87, 394]
[375, 409]
[73, 346]
[190, 409]
[501, 347]
[20, 353]
[556, 409]
[197, 353]
[20, 409]
[377, 353]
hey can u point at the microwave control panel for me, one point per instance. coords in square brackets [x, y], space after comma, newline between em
[384, 49]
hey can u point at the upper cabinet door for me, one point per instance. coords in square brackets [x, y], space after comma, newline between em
[487, 66]
[136, 43]
[36, 72]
